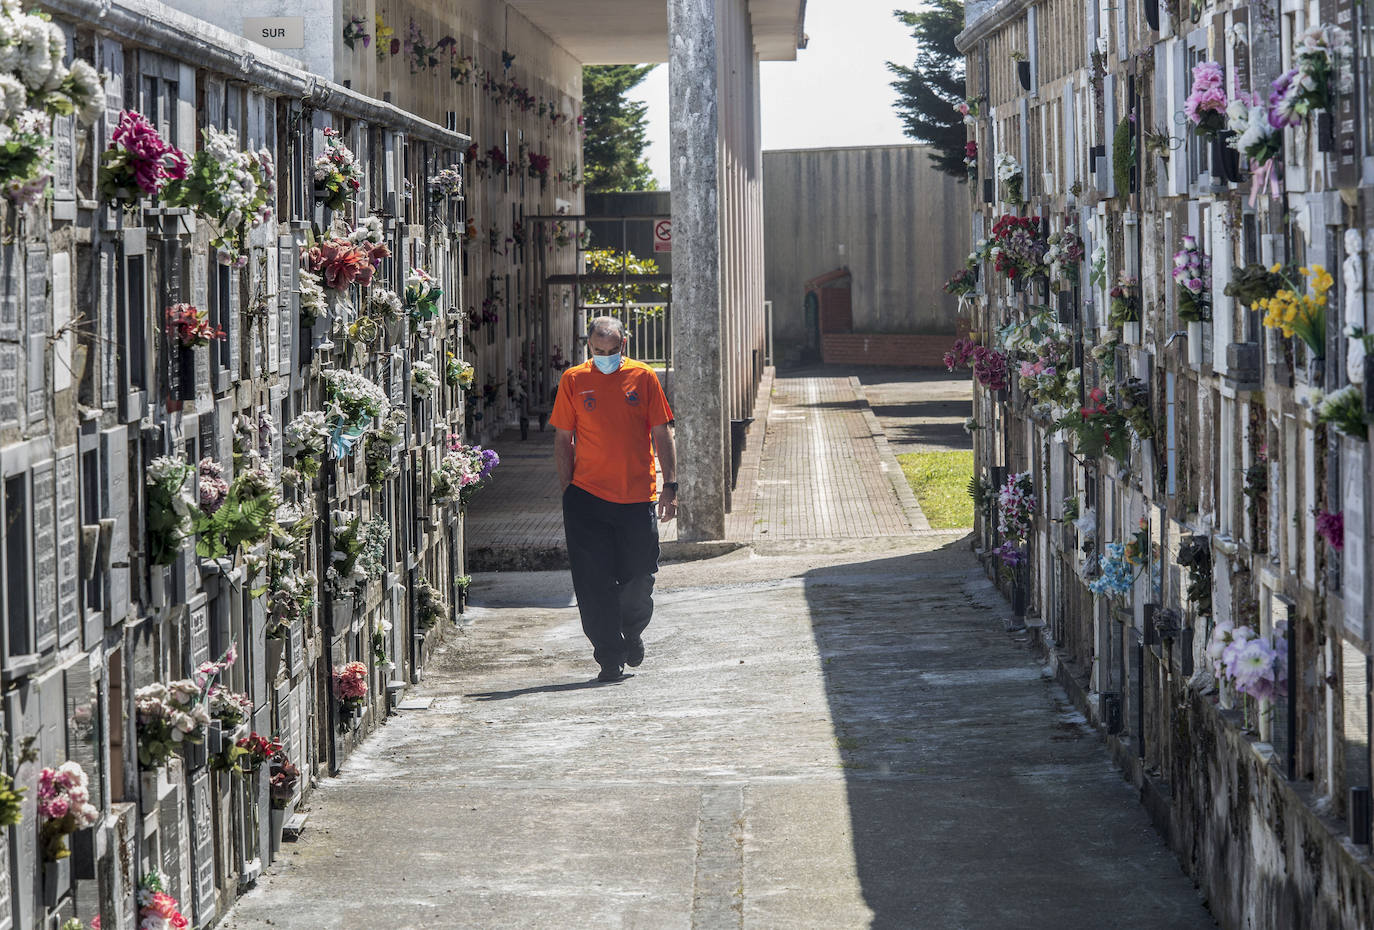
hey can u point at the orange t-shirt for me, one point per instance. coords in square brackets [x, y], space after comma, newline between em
[610, 417]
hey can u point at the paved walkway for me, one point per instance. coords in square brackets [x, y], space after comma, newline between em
[829, 733]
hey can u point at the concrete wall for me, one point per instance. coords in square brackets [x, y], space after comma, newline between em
[900, 225]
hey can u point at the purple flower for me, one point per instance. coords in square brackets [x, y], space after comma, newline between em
[1331, 527]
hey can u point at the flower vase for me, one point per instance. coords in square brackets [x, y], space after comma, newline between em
[1023, 74]
[195, 755]
[186, 373]
[278, 815]
[57, 879]
[1316, 370]
[276, 646]
[462, 599]
[1225, 160]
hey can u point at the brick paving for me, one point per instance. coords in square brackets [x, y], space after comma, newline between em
[815, 466]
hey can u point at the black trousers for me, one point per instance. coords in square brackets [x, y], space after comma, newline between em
[613, 553]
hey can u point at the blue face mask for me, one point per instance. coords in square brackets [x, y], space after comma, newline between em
[607, 364]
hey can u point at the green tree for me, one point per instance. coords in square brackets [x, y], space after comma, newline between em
[613, 152]
[928, 90]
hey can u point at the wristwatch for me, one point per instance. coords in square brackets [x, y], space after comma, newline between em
[670, 486]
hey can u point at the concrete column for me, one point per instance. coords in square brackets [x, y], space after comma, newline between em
[698, 383]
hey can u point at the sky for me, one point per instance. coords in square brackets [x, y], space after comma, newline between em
[835, 94]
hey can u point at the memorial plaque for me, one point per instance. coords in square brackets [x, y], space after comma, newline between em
[68, 557]
[125, 865]
[64, 158]
[288, 300]
[109, 328]
[61, 321]
[289, 722]
[1347, 115]
[202, 849]
[83, 725]
[224, 429]
[1353, 556]
[44, 552]
[271, 310]
[24, 719]
[36, 292]
[171, 831]
[9, 383]
[9, 294]
[114, 505]
[274, 407]
[295, 655]
[235, 339]
[199, 635]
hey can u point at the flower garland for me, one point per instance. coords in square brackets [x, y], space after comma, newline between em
[169, 508]
[64, 804]
[1193, 274]
[139, 161]
[233, 191]
[338, 176]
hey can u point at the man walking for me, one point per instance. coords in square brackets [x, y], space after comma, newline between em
[611, 417]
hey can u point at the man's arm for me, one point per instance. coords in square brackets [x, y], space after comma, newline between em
[564, 455]
[667, 461]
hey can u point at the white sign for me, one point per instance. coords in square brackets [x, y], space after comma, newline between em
[663, 236]
[275, 31]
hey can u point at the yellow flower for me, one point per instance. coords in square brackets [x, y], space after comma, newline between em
[383, 30]
[1273, 269]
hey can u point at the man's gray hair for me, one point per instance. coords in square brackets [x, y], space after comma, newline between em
[605, 326]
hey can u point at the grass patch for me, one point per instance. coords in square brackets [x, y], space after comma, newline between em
[940, 482]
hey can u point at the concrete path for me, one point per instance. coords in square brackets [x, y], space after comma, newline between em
[827, 733]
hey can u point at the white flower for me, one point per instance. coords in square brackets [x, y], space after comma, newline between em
[1007, 167]
[86, 92]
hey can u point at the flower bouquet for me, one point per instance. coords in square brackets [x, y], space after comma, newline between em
[971, 159]
[213, 488]
[1009, 175]
[139, 161]
[169, 508]
[1017, 248]
[190, 326]
[429, 606]
[1254, 665]
[962, 282]
[233, 191]
[251, 751]
[158, 910]
[64, 804]
[1206, 104]
[26, 157]
[1301, 315]
[306, 438]
[1117, 574]
[1125, 301]
[167, 716]
[448, 183]
[1193, 275]
[539, 168]
[1195, 554]
[1313, 84]
[422, 295]
[354, 402]
[340, 262]
[1063, 255]
[1016, 506]
[459, 373]
[496, 158]
[423, 378]
[379, 449]
[337, 174]
[283, 782]
[246, 516]
[1098, 427]
[350, 687]
[1344, 409]
[1331, 527]
[346, 545]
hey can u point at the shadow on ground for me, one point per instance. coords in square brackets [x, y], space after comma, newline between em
[978, 797]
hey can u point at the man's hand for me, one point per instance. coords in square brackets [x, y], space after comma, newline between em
[667, 505]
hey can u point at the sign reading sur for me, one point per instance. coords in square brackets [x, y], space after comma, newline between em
[275, 31]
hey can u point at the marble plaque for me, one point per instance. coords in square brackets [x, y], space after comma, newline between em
[36, 311]
[296, 654]
[24, 719]
[68, 556]
[6, 901]
[62, 373]
[9, 294]
[202, 849]
[271, 315]
[64, 158]
[114, 505]
[235, 339]
[200, 635]
[109, 328]
[171, 831]
[112, 55]
[9, 383]
[287, 300]
[82, 725]
[44, 552]
[1353, 557]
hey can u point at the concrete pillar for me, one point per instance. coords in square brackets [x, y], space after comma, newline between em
[698, 382]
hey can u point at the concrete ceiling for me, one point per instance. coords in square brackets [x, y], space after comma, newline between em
[610, 32]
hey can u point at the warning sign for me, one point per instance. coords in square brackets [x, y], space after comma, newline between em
[663, 236]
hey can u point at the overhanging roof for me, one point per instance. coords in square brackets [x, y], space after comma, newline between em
[614, 32]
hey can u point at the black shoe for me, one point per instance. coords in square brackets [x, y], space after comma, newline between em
[634, 652]
[611, 673]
